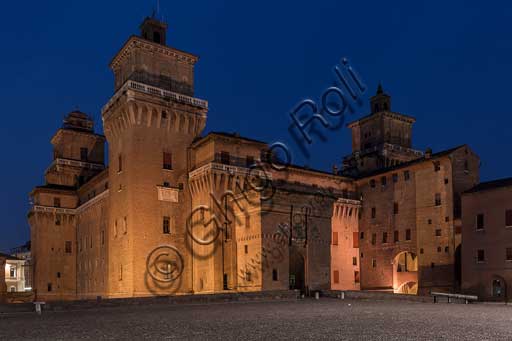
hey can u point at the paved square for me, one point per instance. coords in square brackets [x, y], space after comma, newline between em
[306, 319]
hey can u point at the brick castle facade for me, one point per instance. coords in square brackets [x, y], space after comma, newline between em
[177, 212]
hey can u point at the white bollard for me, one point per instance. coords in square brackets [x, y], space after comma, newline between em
[317, 295]
[342, 295]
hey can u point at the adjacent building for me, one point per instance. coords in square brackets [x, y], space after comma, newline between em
[487, 240]
[177, 211]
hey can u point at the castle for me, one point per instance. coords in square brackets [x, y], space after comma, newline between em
[177, 212]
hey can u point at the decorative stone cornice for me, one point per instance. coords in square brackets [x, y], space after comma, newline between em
[151, 90]
[135, 42]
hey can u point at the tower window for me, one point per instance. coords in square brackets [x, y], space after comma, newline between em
[246, 249]
[335, 238]
[224, 158]
[157, 37]
[383, 181]
[374, 238]
[249, 161]
[438, 199]
[354, 260]
[384, 237]
[120, 163]
[56, 202]
[395, 177]
[374, 212]
[408, 234]
[362, 235]
[84, 154]
[395, 208]
[372, 183]
[480, 256]
[508, 218]
[49, 287]
[274, 275]
[407, 175]
[396, 236]
[480, 221]
[374, 263]
[437, 166]
[438, 233]
[166, 225]
[508, 254]
[68, 247]
[167, 162]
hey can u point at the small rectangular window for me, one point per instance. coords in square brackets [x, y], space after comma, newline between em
[361, 235]
[336, 276]
[508, 254]
[383, 181]
[438, 199]
[57, 220]
[437, 166]
[166, 225]
[407, 175]
[84, 154]
[438, 232]
[374, 238]
[249, 161]
[372, 183]
[355, 240]
[68, 247]
[480, 255]
[356, 277]
[335, 238]
[408, 234]
[384, 237]
[120, 163]
[274, 275]
[480, 221]
[49, 287]
[508, 218]
[247, 221]
[225, 158]
[248, 277]
[395, 208]
[354, 260]
[374, 263]
[56, 202]
[167, 160]
[246, 249]
[374, 212]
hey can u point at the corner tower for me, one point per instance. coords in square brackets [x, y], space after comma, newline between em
[150, 123]
[381, 139]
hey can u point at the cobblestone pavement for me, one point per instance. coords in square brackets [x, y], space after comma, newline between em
[305, 319]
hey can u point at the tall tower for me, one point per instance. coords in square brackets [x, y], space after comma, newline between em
[381, 139]
[78, 155]
[150, 123]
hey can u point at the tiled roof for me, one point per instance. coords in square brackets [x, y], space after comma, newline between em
[484, 186]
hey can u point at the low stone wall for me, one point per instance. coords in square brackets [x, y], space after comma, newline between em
[375, 295]
[182, 299]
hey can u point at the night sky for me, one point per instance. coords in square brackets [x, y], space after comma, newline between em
[447, 63]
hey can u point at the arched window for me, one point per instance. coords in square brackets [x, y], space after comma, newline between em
[156, 37]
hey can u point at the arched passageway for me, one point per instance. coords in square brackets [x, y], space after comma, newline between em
[405, 273]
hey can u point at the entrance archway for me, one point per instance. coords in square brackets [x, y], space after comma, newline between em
[405, 273]
[499, 288]
[297, 271]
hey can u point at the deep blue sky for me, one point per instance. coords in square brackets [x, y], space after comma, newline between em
[448, 63]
